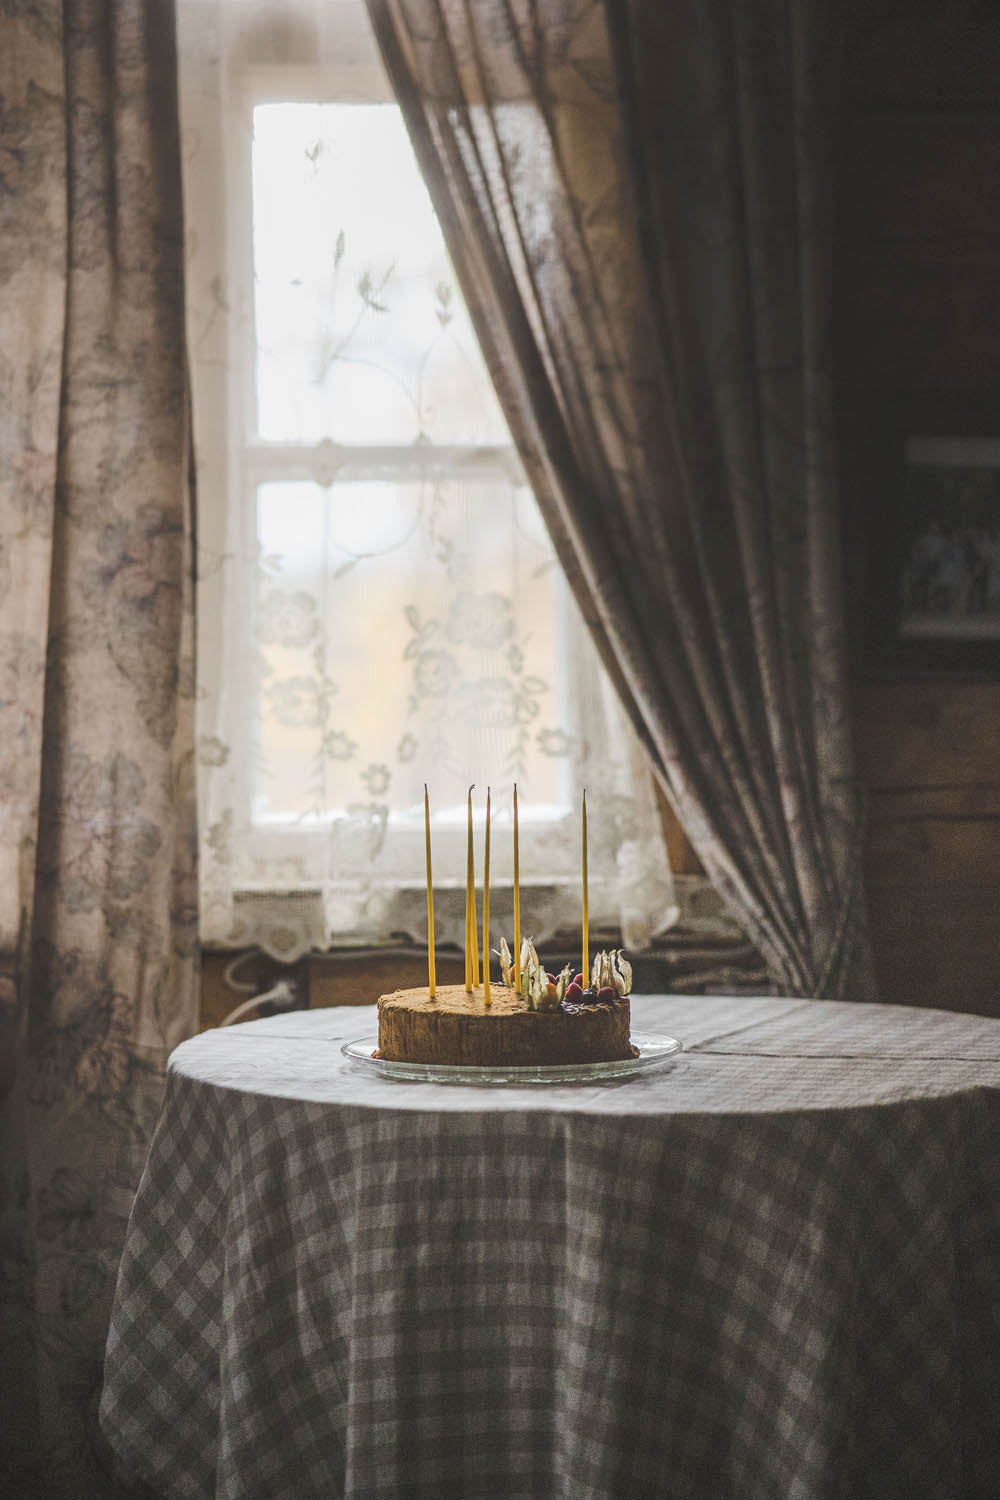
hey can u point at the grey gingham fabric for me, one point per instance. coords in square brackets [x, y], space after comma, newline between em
[768, 1272]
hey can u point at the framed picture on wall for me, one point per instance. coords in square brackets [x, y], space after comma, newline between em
[936, 556]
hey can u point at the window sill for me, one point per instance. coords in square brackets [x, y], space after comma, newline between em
[703, 950]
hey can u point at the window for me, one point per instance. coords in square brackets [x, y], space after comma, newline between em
[380, 606]
[374, 449]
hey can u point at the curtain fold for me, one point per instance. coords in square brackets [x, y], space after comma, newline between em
[98, 906]
[638, 200]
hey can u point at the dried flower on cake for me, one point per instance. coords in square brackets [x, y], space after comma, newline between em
[537, 989]
[621, 974]
[506, 964]
[610, 977]
[611, 970]
[563, 982]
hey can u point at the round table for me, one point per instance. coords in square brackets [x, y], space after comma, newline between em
[769, 1270]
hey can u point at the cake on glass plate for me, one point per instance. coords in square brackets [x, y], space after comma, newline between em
[531, 1019]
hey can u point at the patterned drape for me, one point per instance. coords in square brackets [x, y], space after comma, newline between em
[638, 199]
[98, 918]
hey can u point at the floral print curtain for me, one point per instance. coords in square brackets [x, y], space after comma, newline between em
[638, 198]
[98, 907]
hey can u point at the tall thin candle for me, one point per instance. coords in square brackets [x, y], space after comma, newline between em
[431, 985]
[517, 902]
[470, 907]
[474, 930]
[486, 908]
[586, 899]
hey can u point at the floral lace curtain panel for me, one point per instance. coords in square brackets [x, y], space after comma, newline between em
[638, 199]
[98, 900]
[380, 605]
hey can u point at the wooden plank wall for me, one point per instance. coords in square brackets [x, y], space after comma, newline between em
[919, 310]
[928, 756]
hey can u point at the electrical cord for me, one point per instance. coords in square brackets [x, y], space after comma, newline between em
[228, 977]
[282, 994]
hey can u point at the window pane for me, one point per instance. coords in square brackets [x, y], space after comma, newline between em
[361, 333]
[408, 631]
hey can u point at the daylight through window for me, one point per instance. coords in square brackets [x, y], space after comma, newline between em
[379, 602]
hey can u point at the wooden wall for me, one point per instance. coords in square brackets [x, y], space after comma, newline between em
[918, 263]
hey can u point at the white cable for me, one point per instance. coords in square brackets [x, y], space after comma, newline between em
[282, 991]
[233, 965]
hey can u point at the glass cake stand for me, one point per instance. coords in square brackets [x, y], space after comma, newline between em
[653, 1052]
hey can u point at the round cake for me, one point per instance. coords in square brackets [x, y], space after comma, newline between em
[456, 1028]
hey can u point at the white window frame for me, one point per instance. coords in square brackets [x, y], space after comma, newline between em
[253, 460]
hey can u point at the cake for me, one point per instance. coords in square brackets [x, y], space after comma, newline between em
[547, 1022]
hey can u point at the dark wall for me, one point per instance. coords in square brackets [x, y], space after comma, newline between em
[918, 290]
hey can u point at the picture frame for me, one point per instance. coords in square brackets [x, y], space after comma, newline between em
[934, 565]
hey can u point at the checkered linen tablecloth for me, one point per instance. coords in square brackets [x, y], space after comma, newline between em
[769, 1272]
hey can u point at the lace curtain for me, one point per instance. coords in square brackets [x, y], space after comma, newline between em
[380, 605]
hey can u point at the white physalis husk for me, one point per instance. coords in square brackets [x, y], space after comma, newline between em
[550, 996]
[529, 970]
[506, 967]
[611, 971]
[535, 980]
[563, 982]
[600, 974]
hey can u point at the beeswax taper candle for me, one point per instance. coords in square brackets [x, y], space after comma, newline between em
[517, 902]
[470, 907]
[585, 968]
[487, 1000]
[431, 986]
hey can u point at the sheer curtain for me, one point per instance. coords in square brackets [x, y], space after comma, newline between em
[380, 604]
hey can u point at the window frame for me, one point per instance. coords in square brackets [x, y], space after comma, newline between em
[253, 460]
